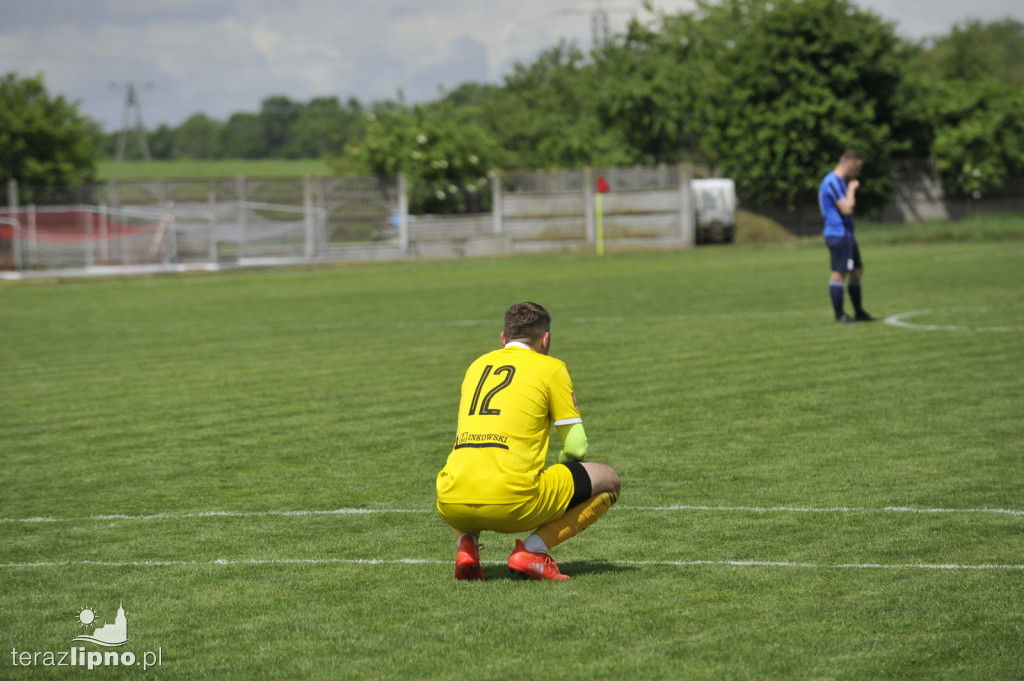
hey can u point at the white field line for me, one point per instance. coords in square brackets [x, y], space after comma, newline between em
[427, 561]
[898, 320]
[459, 323]
[422, 561]
[979, 256]
[221, 514]
[837, 509]
[655, 509]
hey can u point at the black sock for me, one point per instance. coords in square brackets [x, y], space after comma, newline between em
[835, 289]
[854, 288]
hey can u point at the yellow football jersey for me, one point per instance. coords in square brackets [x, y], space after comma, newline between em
[510, 399]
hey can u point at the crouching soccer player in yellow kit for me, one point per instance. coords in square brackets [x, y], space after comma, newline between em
[495, 478]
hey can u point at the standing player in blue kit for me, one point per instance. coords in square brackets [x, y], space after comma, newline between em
[837, 198]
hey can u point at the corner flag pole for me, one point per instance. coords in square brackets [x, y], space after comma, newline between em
[602, 188]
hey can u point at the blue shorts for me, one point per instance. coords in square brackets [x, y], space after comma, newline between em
[845, 253]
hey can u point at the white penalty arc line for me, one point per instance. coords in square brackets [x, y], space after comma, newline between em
[565, 564]
[654, 509]
[898, 321]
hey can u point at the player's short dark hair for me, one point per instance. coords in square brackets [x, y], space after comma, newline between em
[851, 155]
[526, 321]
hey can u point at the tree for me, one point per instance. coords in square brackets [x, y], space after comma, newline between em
[242, 137]
[322, 127]
[161, 141]
[199, 137]
[44, 141]
[260, 135]
[546, 116]
[444, 153]
[977, 51]
[276, 117]
[979, 139]
[971, 83]
[648, 85]
[795, 83]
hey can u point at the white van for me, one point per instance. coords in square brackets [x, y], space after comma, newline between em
[715, 201]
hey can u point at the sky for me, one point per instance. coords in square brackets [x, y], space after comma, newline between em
[220, 57]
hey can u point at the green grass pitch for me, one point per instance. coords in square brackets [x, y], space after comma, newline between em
[801, 499]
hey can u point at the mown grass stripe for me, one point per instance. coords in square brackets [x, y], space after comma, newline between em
[566, 564]
[654, 509]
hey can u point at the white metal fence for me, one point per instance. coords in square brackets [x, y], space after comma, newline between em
[97, 238]
[182, 224]
[214, 223]
[247, 232]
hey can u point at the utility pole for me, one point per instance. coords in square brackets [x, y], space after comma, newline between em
[600, 30]
[131, 105]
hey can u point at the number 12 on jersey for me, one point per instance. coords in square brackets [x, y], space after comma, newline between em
[485, 405]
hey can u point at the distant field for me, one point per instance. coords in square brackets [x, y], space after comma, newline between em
[246, 461]
[145, 170]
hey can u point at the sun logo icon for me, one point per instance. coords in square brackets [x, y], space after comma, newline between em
[110, 635]
[87, 617]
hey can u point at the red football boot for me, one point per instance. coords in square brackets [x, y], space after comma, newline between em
[533, 565]
[467, 559]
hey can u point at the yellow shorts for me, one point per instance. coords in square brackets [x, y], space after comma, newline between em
[549, 502]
